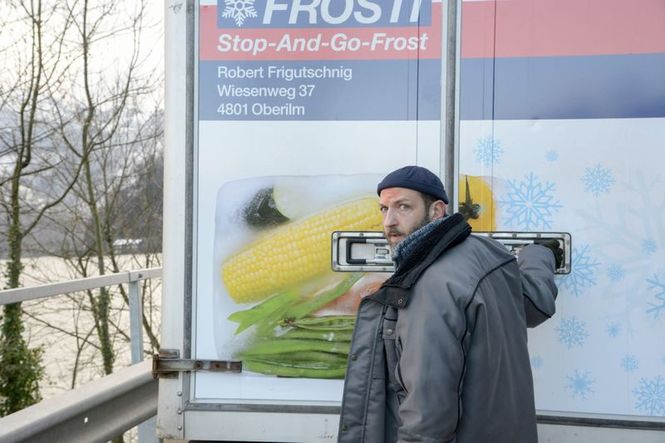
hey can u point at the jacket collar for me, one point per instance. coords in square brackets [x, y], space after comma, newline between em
[422, 251]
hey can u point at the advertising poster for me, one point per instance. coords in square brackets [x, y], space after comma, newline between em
[302, 108]
[563, 129]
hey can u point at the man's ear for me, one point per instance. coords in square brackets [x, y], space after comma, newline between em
[437, 210]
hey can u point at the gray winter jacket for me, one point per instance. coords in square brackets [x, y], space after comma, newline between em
[439, 353]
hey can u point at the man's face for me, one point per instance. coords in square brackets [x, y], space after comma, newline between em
[403, 212]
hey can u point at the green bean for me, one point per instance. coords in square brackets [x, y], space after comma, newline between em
[288, 306]
[330, 336]
[286, 371]
[304, 359]
[278, 346]
[315, 303]
[267, 312]
[324, 323]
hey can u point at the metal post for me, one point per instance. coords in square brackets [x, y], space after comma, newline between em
[451, 94]
[135, 321]
[146, 430]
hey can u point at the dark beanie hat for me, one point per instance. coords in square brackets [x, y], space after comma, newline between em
[416, 178]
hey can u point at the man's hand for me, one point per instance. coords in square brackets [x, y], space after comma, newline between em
[553, 246]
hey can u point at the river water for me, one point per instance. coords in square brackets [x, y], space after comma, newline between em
[63, 326]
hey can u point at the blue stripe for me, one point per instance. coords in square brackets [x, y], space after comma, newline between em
[603, 86]
[379, 90]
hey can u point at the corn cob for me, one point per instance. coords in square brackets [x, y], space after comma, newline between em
[294, 253]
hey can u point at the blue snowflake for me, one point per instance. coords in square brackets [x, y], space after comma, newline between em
[536, 362]
[649, 246]
[613, 329]
[530, 204]
[488, 151]
[657, 285]
[551, 155]
[651, 396]
[597, 180]
[579, 383]
[616, 272]
[582, 271]
[572, 332]
[629, 363]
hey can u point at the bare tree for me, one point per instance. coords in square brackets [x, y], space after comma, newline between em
[107, 136]
[22, 145]
[80, 140]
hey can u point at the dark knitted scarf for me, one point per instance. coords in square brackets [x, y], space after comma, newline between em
[423, 246]
[413, 241]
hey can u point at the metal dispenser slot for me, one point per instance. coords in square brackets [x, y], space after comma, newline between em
[369, 251]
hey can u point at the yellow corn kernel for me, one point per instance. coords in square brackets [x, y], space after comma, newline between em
[296, 252]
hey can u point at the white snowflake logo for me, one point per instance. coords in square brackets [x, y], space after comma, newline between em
[239, 10]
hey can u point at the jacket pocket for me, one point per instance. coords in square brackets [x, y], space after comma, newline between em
[398, 372]
[388, 335]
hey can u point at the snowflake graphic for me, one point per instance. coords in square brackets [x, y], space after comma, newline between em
[551, 155]
[579, 383]
[488, 151]
[622, 234]
[572, 332]
[651, 396]
[649, 246]
[616, 272]
[629, 363]
[613, 329]
[239, 10]
[582, 271]
[536, 362]
[657, 285]
[530, 204]
[597, 180]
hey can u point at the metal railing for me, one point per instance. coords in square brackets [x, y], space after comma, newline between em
[104, 408]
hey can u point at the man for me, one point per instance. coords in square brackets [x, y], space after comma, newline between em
[439, 353]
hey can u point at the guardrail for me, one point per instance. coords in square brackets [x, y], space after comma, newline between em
[102, 409]
[95, 412]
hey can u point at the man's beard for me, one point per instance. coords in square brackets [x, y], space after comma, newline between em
[425, 220]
